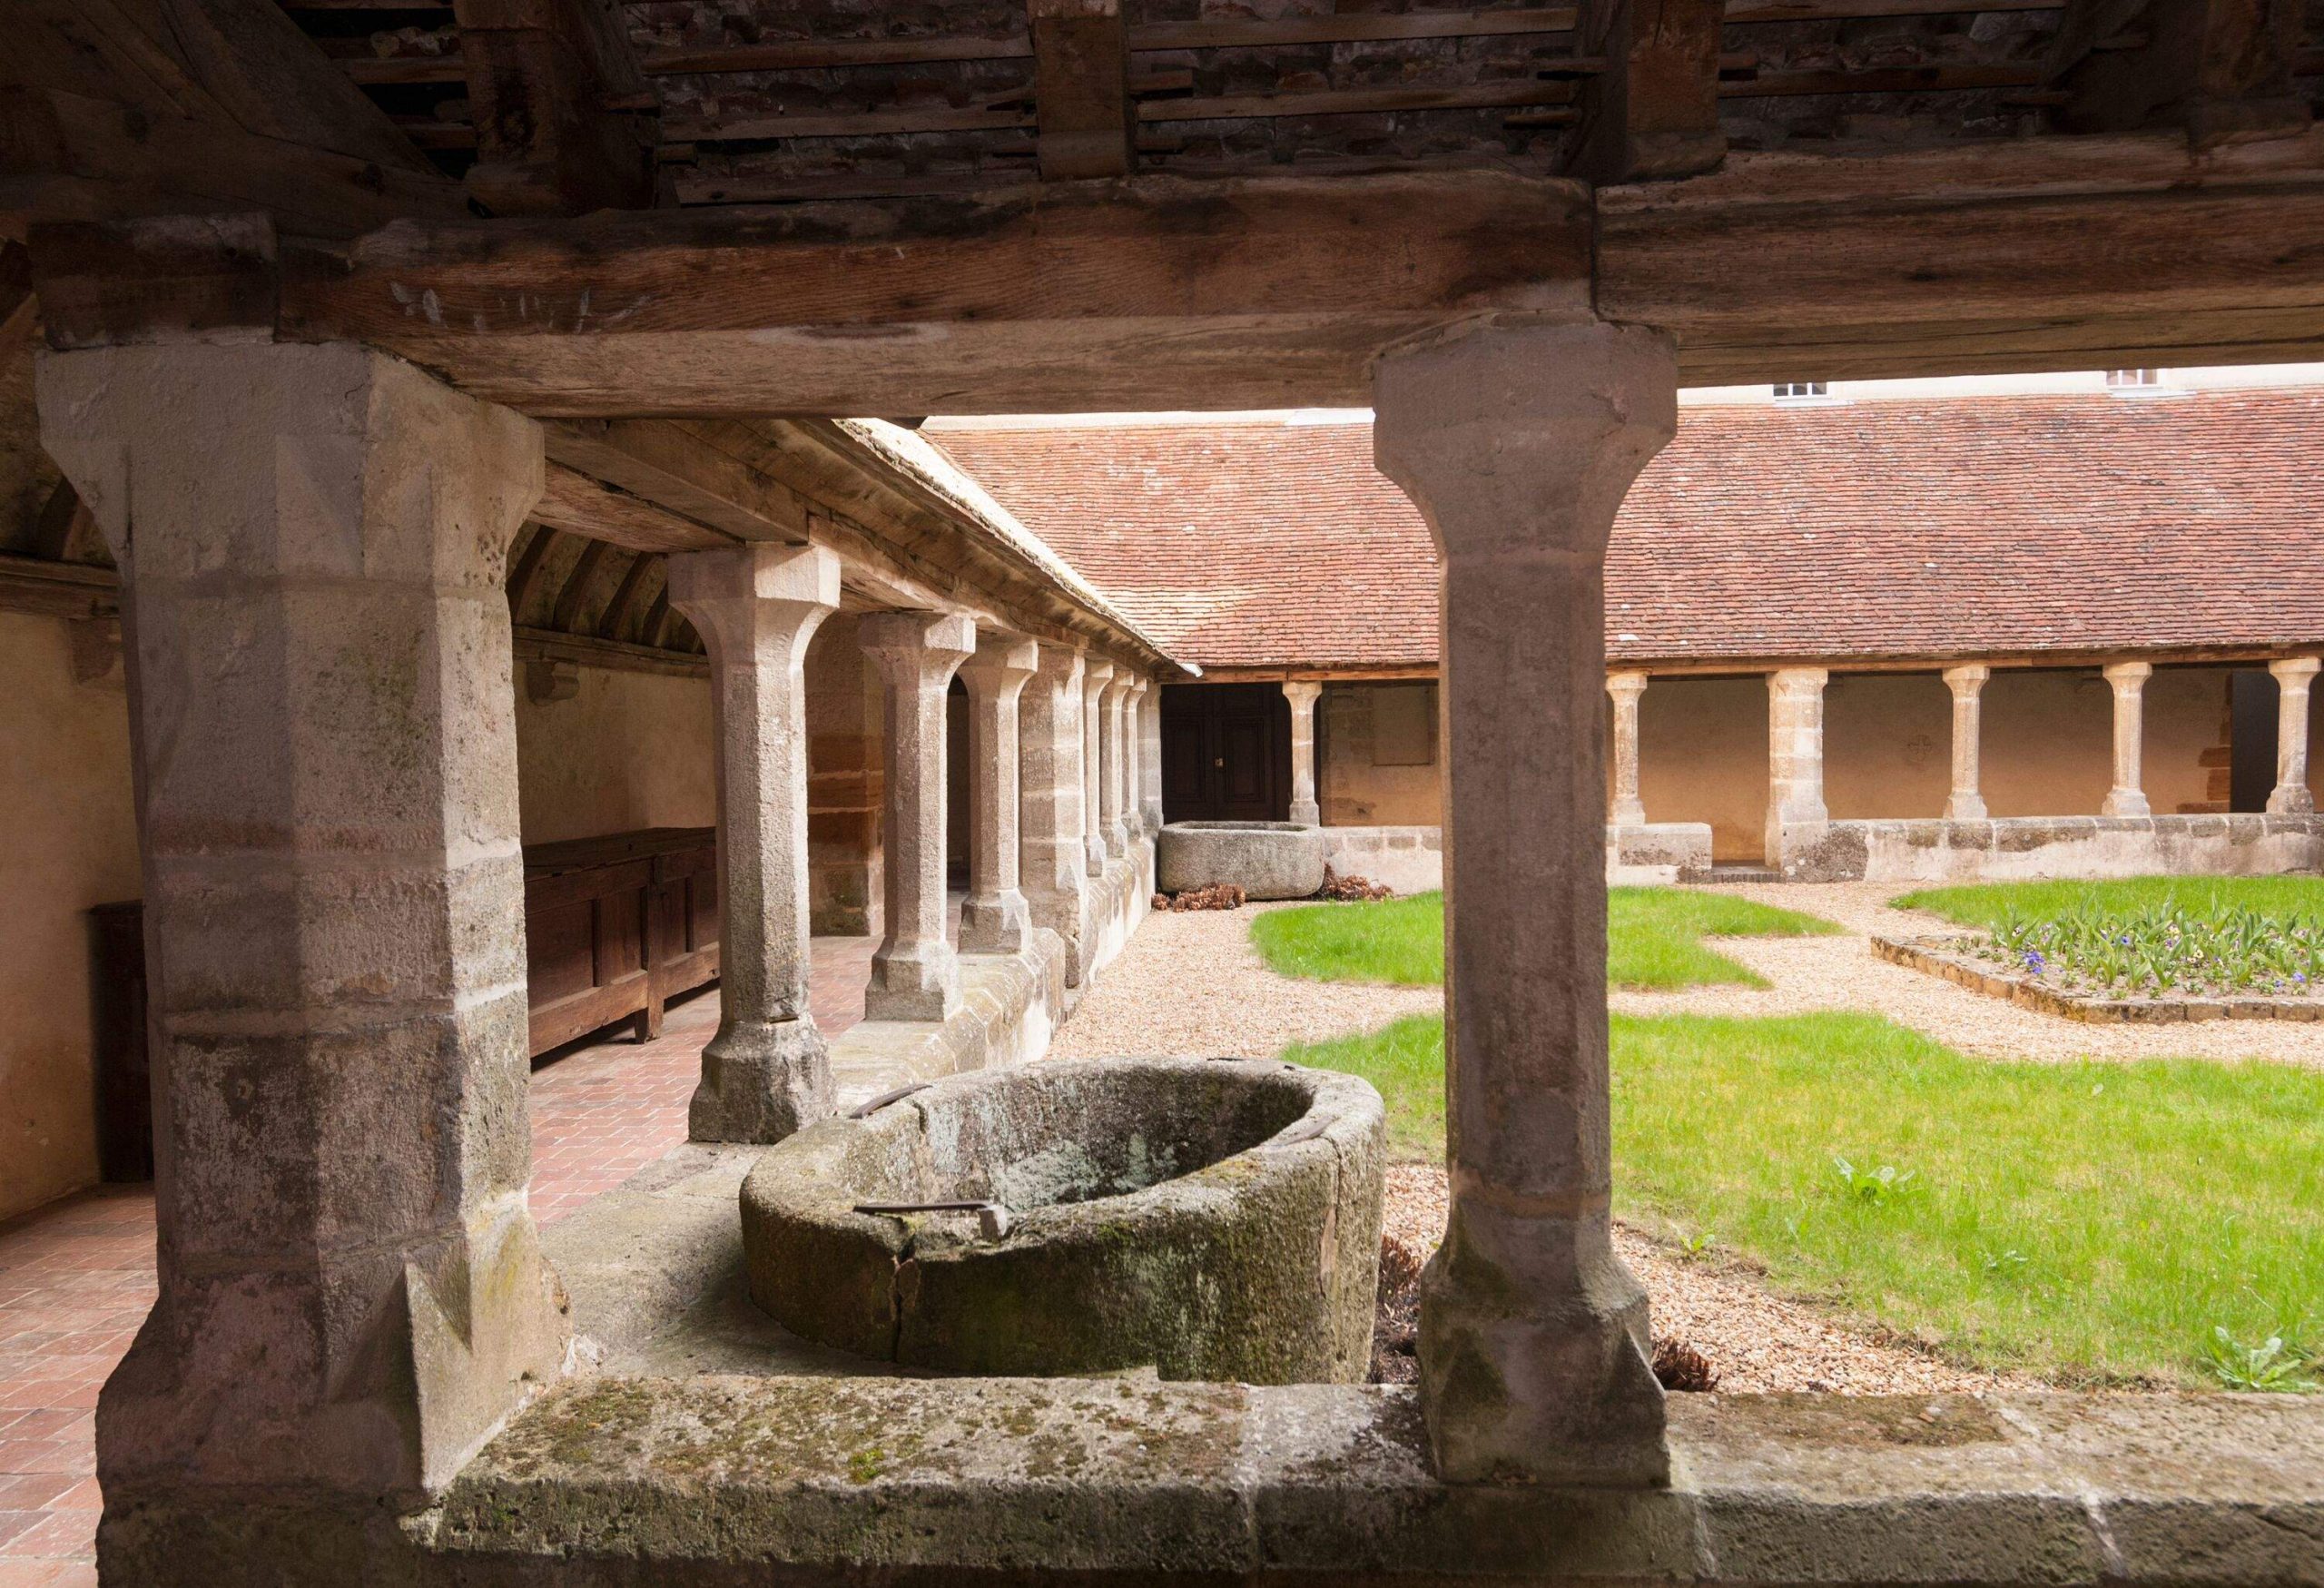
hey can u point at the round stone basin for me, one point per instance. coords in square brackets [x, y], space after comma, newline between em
[1212, 1219]
[1267, 860]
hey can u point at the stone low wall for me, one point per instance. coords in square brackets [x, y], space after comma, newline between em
[1410, 860]
[2047, 848]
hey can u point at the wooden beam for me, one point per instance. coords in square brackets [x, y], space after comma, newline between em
[2016, 255]
[540, 75]
[1233, 32]
[58, 589]
[1935, 79]
[1656, 112]
[828, 55]
[1087, 118]
[527, 567]
[575, 589]
[672, 467]
[590, 650]
[625, 596]
[579, 505]
[1745, 12]
[1152, 292]
[2222, 69]
[649, 632]
[857, 124]
[1514, 93]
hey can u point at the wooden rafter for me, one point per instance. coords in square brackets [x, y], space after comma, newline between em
[527, 566]
[668, 464]
[1085, 115]
[625, 596]
[577, 583]
[542, 75]
[2224, 69]
[1655, 112]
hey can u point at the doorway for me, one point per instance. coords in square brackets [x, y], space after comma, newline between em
[1226, 753]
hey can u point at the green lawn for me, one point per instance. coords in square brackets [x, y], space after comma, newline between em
[2089, 1222]
[1988, 902]
[1653, 938]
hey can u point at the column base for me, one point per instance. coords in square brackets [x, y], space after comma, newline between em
[1966, 807]
[1095, 845]
[1534, 1362]
[1625, 813]
[1117, 840]
[995, 925]
[1306, 814]
[2291, 800]
[922, 983]
[762, 1082]
[2125, 802]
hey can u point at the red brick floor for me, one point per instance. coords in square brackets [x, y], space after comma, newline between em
[76, 1277]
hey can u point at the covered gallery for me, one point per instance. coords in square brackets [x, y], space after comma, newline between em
[1845, 630]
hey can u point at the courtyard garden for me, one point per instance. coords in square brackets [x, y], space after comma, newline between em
[2152, 1221]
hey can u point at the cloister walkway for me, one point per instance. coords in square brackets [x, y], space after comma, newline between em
[76, 1277]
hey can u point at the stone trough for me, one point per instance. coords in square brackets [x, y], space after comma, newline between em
[1211, 1219]
[1267, 860]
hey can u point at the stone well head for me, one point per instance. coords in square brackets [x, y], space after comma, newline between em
[1211, 1219]
[1267, 860]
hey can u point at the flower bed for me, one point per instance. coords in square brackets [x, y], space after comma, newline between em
[1970, 962]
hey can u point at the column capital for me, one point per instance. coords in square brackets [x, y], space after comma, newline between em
[1096, 672]
[2294, 669]
[1525, 439]
[2120, 673]
[1967, 675]
[941, 639]
[1302, 691]
[1798, 680]
[1629, 684]
[1001, 663]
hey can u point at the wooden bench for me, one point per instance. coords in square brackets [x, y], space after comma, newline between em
[615, 927]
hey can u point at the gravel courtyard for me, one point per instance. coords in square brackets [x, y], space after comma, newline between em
[1194, 984]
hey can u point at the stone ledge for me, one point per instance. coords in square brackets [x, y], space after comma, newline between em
[1940, 956]
[703, 1481]
[1010, 1006]
[2006, 848]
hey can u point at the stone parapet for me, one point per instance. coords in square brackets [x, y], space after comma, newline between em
[2043, 848]
[937, 1481]
[1009, 1005]
[1410, 860]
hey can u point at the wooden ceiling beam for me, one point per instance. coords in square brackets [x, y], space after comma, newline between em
[667, 464]
[2222, 69]
[579, 505]
[1655, 114]
[577, 586]
[1157, 291]
[541, 76]
[1087, 117]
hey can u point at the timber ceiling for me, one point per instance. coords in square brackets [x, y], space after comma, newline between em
[748, 101]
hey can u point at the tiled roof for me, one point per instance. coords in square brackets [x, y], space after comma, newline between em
[1956, 528]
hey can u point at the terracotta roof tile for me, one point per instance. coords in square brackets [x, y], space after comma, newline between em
[1963, 526]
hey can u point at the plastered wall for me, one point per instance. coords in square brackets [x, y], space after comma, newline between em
[630, 750]
[1352, 788]
[71, 842]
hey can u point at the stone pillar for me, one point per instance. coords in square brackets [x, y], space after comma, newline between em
[1095, 675]
[1796, 810]
[1054, 858]
[1628, 809]
[312, 542]
[2294, 674]
[2127, 797]
[1965, 804]
[1303, 695]
[1517, 445]
[914, 975]
[766, 1073]
[1133, 758]
[994, 917]
[1113, 786]
[1149, 754]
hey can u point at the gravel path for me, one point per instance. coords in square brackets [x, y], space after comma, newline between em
[1841, 972]
[1192, 984]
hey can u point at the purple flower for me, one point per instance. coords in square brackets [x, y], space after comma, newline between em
[2035, 963]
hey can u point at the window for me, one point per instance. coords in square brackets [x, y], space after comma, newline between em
[2120, 380]
[1794, 391]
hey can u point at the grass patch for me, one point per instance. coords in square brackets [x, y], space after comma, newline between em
[2089, 1222]
[1988, 904]
[1653, 938]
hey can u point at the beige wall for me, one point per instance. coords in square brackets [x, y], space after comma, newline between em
[72, 844]
[1352, 789]
[631, 750]
[1703, 757]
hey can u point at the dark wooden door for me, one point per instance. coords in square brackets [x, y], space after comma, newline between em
[1226, 753]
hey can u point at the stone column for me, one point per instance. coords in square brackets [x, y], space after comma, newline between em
[1517, 445]
[2294, 674]
[914, 975]
[1628, 810]
[994, 917]
[2127, 797]
[1795, 809]
[1113, 785]
[1303, 695]
[1133, 758]
[1149, 753]
[1965, 804]
[765, 1073]
[1095, 675]
[312, 542]
[1054, 859]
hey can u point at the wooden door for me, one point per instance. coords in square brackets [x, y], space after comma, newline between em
[1226, 753]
